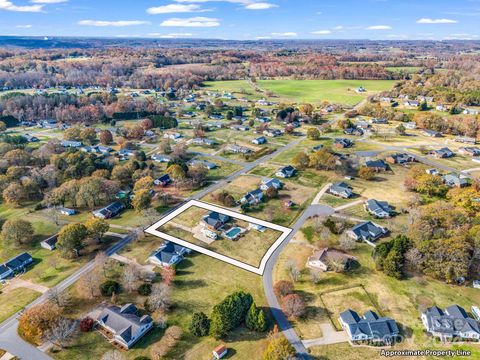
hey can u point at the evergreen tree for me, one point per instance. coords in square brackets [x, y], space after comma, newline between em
[200, 324]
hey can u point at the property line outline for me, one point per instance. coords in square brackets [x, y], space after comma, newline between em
[152, 229]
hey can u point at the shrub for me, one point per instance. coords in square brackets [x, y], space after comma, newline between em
[293, 305]
[109, 287]
[86, 324]
[200, 324]
[283, 288]
[145, 289]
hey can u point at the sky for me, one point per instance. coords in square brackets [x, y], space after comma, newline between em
[244, 19]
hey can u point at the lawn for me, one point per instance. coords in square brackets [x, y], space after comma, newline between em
[15, 300]
[249, 248]
[400, 299]
[316, 91]
[239, 88]
[200, 283]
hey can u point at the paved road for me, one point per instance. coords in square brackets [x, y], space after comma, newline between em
[9, 339]
[282, 321]
[219, 158]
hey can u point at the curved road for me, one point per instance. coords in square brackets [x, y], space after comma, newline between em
[273, 303]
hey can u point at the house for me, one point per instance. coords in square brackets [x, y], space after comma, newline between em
[253, 197]
[50, 243]
[327, 259]
[238, 149]
[453, 180]
[109, 211]
[432, 133]
[172, 136]
[216, 117]
[269, 183]
[469, 150]
[378, 121]
[122, 325]
[370, 327]
[410, 125]
[341, 189]
[31, 138]
[412, 103]
[203, 141]
[353, 131]
[5, 272]
[317, 147]
[453, 322]
[466, 140]
[471, 112]
[264, 119]
[19, 262]
[71, 144]
[367, 231]
[220, 351]
[442, 153]
[286, 172]
[379, 209]
[441, 107]
[362, 124]
[163, 180]
[209, 165]
[240, 127]
[161, 158]
[260, 140]
[342, 143]
[168, 254]
[400, 158]
[272, 132]
[360, 89]
[263, 102]
[434, 172]
[215, 221]
[67, 211]
[377, 165]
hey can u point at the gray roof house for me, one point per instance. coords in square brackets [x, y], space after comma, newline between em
[71, 144]
[5, 272]
[377, 165]
[400, 158]
[268, 183]
[370, 327]
[215, 220]
[168, 254]
[469, 150]
[253, 197]
[260, 140]
[442, 153]
[161, 158]
[453, 322]
[14, 265]
[379, 209]
[50, 243]
[367, 231]
[342, 143]
[453, 180]
[341, 189]
[286, 172]
[124, 325]
[328, 259]
[209, 165]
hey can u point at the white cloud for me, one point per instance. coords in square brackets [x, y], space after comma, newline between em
[379, 27]
[285, 34]
[321, 32]
[260, 6]
[176, 8]
[9, 6]
[198, 21]
[436, 21]
[120, 23]
[48, 1]
[339, 27]
[28, 26]
[262, 37]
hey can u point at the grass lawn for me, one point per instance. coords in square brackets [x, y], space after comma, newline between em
[400, 299]
[239, 88]
[15, 300]
[316, 91]
[200, 283]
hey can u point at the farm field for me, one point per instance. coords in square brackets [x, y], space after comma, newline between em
[316, 91]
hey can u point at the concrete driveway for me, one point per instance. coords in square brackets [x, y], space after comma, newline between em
[330, 336]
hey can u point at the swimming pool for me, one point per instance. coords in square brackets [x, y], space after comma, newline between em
[233, 233]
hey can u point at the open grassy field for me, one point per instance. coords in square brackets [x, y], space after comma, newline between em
[200, 283]
[316, 91]
[14, 300]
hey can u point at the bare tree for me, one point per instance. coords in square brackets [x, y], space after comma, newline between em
[151, 215]
[101, 259]
[113, 355]
[346, 242]
[59, 298]
[89, 283]
[315, 276]
[413, 258]
[130, 277]
[159, 299]
[62, 332]
[53, 214]
[292, 270]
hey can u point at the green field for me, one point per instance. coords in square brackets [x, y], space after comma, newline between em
[316, 91]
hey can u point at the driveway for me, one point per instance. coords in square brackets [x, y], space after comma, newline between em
[330, 336]
[320, 194]
[20, 283]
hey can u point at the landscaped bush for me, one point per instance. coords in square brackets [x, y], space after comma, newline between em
[109, 287]
[145, 289]
[283, 288]
[86, 324]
